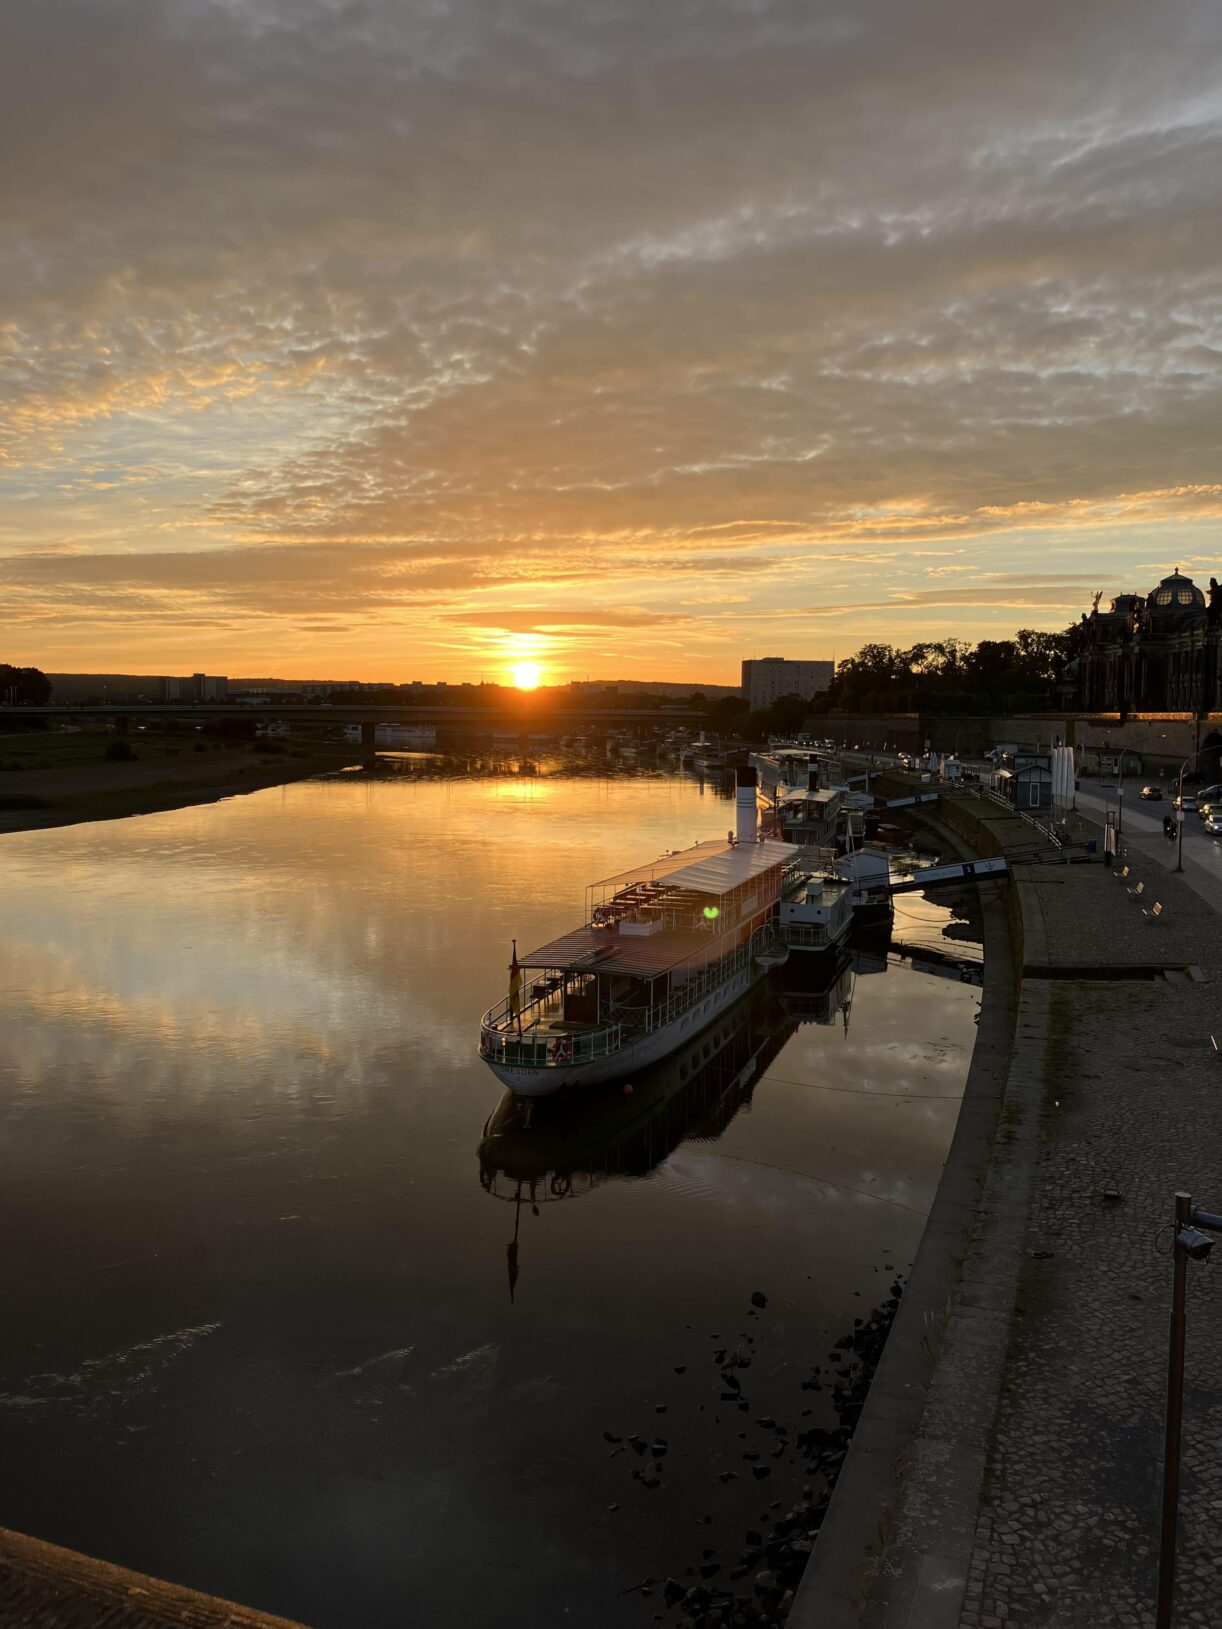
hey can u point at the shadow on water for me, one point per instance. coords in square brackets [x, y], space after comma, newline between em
[538, 1151]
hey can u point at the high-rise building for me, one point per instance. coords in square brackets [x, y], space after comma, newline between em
[767, 679]
[209, 686]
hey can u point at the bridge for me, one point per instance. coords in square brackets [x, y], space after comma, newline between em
[525, 716]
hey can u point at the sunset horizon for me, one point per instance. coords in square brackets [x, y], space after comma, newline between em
[346, 339]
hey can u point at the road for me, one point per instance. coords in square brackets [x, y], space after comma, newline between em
[1142, 834]
[1141, 826]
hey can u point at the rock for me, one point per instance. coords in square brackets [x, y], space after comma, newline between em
[765, 1581]
[710, 1569]
[609, 1436]
[761, 1471]
[728, 1476]
[612, 1508]
[659, 1408]
[758, 1298]
[680, 1368]
[660, 1446]
[673, 1592]
[750, 1453]
[637, 1445]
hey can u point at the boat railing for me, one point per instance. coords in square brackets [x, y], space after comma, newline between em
[694, 989]
[501, 1041]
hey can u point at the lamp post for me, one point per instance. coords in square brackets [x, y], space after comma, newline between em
[1179, 811]
[1189, 1242]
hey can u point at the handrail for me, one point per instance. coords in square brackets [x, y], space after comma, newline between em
[541, 1049]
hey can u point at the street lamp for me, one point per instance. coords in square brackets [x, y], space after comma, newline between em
[1179, 811]
[1189, 1243]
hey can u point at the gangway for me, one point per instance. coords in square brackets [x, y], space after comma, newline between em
[931, 876]
[911, 801]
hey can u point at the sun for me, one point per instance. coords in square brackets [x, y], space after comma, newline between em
[526, 675]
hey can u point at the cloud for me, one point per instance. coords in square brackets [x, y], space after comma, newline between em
[607, 296]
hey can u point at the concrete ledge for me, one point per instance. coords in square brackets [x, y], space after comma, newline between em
[902, 1520]
[45, 1587]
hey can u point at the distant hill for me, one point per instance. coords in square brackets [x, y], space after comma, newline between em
[135, 686]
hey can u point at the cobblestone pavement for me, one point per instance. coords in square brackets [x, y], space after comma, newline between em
[45, 1587]
[1069, 1517]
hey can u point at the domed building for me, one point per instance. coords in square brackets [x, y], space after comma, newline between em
[1155, 653]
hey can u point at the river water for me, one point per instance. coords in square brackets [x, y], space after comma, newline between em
[259, 1334]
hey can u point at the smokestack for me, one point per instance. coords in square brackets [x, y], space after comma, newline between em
[812, 778]
[746, 818]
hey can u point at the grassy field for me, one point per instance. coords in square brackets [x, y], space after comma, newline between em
[51, 749]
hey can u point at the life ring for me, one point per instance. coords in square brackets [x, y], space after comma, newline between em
[561, 1050]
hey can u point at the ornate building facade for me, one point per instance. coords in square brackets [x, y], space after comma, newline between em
[1154, 653]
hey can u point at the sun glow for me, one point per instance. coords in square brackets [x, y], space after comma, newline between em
[526, 675]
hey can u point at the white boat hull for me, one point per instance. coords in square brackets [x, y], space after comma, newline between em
[633, 1055]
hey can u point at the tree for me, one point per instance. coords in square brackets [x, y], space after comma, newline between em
[23, 686]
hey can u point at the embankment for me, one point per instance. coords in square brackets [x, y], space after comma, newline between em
[65, 795]
[42, 1584]
[1005, 1462]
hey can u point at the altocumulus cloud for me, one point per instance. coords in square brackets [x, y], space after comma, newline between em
[321, 309]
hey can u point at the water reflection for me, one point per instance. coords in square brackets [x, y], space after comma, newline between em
[238, 1098]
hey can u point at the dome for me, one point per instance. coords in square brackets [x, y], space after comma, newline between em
[1176, 593]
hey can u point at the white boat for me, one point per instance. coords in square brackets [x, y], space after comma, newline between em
[665, 948]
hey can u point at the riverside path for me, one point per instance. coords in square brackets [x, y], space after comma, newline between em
[1027, 1496]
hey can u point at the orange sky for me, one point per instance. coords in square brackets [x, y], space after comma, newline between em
[388, 342]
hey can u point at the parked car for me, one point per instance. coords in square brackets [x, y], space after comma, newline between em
[1207, 798]
[1187, 802]
[1152, 794]
[1213, 821]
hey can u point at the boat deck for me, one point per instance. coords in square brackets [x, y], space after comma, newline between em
[590, 949]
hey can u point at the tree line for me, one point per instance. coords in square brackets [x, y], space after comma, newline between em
[1001, 676]
[23, 686]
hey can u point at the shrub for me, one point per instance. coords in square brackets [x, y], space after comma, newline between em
[119, 751]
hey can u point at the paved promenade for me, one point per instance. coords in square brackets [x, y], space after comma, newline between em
[1029, 1491]
[1131, 1111]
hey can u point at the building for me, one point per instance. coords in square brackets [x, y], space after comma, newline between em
[210, 686]
[1159, 652]
[770, 677]
[199, 687]
[1025, 780]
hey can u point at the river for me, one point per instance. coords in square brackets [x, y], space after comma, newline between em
[259, 1329]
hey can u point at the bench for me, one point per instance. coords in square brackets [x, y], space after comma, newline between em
[1138, 891]
[1124, 875]
[1154, 914]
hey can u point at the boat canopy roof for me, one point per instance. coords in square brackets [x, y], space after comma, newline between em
[707, 867]
[715, 868]
[822, 798]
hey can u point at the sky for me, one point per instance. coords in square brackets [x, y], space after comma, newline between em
[397, 339]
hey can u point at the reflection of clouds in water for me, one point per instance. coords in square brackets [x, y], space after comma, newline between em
[735, 1180]
[325, 924]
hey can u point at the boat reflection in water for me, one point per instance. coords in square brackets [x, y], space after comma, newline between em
[536, 1151]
